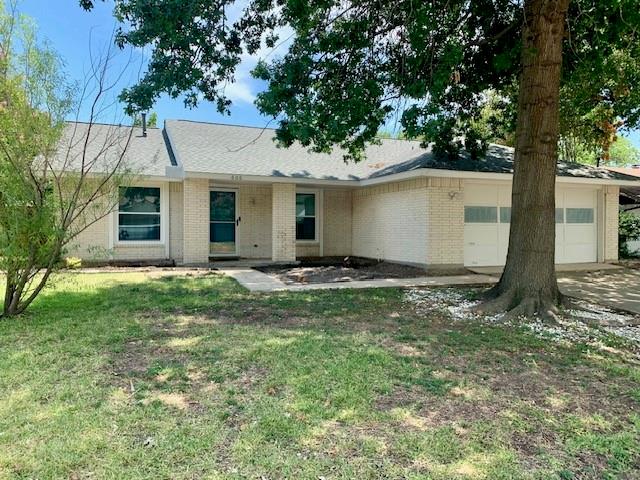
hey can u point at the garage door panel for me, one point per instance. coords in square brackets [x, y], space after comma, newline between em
[576, 228]
[480, 248]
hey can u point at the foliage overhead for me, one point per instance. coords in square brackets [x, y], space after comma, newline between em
[351, 65]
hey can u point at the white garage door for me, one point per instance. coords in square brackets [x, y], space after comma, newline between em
[487, 213]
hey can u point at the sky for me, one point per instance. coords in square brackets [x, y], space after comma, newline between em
[75, 34]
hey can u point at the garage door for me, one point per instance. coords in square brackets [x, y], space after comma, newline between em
[487, 214]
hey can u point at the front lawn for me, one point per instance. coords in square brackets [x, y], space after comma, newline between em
[125, 377]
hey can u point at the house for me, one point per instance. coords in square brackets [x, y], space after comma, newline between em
[630, 199]
[210, 191]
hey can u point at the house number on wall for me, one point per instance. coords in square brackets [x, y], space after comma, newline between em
[236, 178]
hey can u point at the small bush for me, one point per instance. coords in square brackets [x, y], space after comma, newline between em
[628, 230]
[72, 263]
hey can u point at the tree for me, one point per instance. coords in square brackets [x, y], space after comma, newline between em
[53, 184]
[351, 64]
[628, 230]
[152, 121]
[623, 153]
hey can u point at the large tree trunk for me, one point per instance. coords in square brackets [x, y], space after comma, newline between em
[528, 284]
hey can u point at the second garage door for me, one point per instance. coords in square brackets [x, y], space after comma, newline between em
[487, 214]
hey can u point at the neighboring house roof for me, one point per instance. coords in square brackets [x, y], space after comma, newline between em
[210, 148]
[629, 195]
[632, 171]
[148, 156]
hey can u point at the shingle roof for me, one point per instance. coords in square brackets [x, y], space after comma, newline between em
[143, 156]
[229, 149]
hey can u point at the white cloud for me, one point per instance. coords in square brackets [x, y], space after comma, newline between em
[240, 91]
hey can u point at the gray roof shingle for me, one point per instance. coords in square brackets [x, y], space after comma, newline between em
[229, 149]
[147, 156]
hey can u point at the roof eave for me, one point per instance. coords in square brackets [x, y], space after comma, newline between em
[394, 177]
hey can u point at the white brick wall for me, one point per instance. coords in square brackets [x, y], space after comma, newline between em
[196, 221]
[416, 221]
[336, 231]
[390, 221]
[283, 226]
[445, 221]
[98, 243]
[254, 230]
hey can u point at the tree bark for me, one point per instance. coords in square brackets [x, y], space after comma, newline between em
[528, 284]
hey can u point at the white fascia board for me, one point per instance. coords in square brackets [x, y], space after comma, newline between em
[418, 173]
[433, 172]
[241, 178]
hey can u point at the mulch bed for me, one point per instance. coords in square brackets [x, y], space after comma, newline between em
[345, 272]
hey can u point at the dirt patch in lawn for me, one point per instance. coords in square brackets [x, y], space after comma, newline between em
[345, 270]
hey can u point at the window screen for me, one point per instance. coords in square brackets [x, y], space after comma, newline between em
[305, 216]
[480, 214]
[579, 215]
[505, 214]
[139, 214]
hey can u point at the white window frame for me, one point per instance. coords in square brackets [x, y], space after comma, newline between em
[164, 218]
[318, 216]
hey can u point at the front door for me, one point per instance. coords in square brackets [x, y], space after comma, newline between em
[223, 223]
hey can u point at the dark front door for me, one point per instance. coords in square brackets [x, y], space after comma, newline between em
[222, 225]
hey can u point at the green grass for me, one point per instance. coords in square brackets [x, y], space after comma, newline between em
[122, 376]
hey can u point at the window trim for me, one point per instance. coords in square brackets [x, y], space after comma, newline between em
[318, 215]
[164, 219]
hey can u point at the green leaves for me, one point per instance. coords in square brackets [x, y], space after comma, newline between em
[353, 66]
[628, 230]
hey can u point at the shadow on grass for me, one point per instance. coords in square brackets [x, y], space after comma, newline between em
[311, 380]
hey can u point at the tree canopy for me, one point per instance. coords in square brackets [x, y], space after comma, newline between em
[351, 65]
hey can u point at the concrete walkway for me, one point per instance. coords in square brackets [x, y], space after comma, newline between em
[256, 281]
[609, 285]
[617, 288]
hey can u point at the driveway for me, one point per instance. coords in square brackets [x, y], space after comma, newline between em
[615, 288]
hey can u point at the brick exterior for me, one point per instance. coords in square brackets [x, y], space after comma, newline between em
[176, 221]
[283, 224]
[196, 221]
[390, 222]
[337, 221]
[254, 230]
[445, 221]
[418, 221]
[98, 242]
[611, 201]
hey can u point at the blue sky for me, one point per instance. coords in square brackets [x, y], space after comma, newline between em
[71, 31]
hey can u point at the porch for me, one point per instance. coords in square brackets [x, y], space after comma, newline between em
[263, 223]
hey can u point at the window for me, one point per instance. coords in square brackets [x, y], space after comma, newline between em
[139, 214]
[505, 214]
[305, 216]
[559, 215]
[480, 214]
[579, 215]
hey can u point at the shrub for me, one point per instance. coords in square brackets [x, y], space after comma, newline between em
[628, 230]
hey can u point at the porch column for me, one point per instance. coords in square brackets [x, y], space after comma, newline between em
[611, 212]
[196, 221]
[283, 223]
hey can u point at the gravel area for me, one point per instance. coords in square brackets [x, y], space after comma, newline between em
[590, 323]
